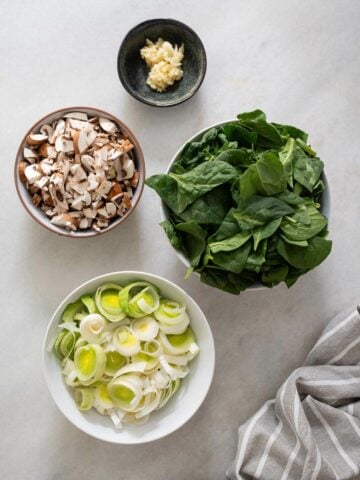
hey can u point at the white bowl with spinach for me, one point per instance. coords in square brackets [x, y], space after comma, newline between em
[245, 203]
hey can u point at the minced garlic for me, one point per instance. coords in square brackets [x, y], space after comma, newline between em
[164, 61]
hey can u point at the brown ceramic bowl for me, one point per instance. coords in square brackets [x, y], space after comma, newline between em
[37, 214]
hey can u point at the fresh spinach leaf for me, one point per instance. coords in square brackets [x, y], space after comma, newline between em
[226, 281]
[265, 231]
[290, 197]
[172, 234]
[258, 210]
[193, 240]
[305, 258]
[233, 261]
[240, 158]
[307, 170]
[298, 243]
[305, 223]
[293, 276]
[236, 133]
[290, 131]
[266, 177]
[256, 121]
[257, 258]
[211, 208]
[286, 156]
[228, 228]
[274, 276]
[230, 243]
[179, 191]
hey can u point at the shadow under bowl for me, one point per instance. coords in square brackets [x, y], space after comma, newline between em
[133, 71]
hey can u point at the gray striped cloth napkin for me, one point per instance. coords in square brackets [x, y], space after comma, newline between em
[311, 430]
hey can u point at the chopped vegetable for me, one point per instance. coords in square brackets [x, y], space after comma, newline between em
[244, 205]
[124, 350]
[164, 63]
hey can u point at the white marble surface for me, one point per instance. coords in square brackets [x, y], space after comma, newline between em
[299, 62]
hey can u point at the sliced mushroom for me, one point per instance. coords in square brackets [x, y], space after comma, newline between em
[101, 140]
[62, 144]
[50, 212]
[102, 223]
[57, 191]
[36, 199]
[36, 139]
[46, 198]
[80, 141]
[65, 220]
[111, 209]
[79, 187]
[129, 168]
[45, 167]
[57, 180]
[88, 162]
[117, 199]
[46, 149]
[91, 137]
[103, 212]
[42, 182]
[115, 190]
[89, 213]
[92, 183]
[77, 203]
[135, 179]
[104, 188]
[47, 130]
[127, 201]
[78, 173]
[84, 223]
[30, 155]
[107, 125]
[32, 173]
[126, 145]
[21, 170]
[77, 115]
[80, 124]
[118, 168]
[58, 130]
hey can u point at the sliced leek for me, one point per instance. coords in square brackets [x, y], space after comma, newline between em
[169, 312]
[114, 361]
[84, 398]
[145, 328]
[172, 317]
[125, 342]
[108, 303]
[126, 391]
[139, 299]
[178, 344]
[90, 362]
[124, 350]
[71, 310]
[91, 327]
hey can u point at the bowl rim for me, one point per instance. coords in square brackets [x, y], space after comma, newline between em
[46, 223]
[163, 207]
[139, 274]
[134, 93]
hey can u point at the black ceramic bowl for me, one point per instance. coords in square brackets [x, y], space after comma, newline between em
[133, 71]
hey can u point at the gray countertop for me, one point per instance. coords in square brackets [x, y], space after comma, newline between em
[299, 62]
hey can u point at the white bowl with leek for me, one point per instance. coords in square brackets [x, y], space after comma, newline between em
[128, 357]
